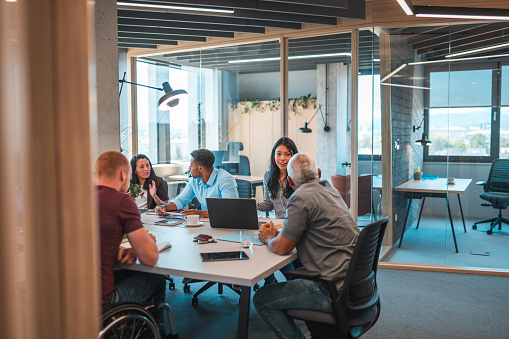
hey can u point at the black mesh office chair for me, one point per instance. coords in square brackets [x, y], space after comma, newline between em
[357, 306]
[496, 191]
[244, 189]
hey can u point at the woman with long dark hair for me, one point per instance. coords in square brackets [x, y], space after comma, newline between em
[276, 189]
[154, 188]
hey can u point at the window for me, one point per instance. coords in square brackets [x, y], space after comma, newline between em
[159, 129]
[461, 104]
[504, 114]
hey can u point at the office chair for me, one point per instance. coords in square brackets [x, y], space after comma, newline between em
[342, 184]
[496, 191]
[131, 320]
[244, 189]
[244, 167]
[356, 307]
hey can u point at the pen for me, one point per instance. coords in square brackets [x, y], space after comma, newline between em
[147, 230]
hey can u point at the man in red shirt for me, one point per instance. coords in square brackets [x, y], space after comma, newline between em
[119, 215]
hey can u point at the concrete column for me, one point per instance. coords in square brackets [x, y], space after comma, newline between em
[334, 146]
[106, 54]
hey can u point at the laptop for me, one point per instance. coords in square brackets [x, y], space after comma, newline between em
[232, 213]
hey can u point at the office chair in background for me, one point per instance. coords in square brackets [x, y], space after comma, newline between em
[496, 191]
[356, 308]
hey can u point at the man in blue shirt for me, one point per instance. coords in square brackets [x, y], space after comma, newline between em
[206, 182]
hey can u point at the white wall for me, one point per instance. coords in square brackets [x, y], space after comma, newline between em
[265, 86]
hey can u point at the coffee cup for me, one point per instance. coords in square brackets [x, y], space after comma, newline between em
[450, 181]
[192, 219]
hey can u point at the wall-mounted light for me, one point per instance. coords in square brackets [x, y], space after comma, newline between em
[171, 98]
[306, 129]
[424, 140]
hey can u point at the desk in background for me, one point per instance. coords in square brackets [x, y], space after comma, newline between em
[254, 180]
[436, 188]
[183, 260]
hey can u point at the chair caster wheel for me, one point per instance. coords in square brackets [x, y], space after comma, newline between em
[474, 227]
[489, 232]
[194, 301]
[171, 286]
[187, 288]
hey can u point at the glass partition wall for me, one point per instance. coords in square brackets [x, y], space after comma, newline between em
[448, 112]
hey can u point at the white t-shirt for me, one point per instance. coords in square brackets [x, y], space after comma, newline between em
[141, 201]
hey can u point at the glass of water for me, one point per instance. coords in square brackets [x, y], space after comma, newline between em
[246, 238]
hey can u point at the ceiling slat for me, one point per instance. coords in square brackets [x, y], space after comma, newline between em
[149, 36]
[170, 31]
[187, 26]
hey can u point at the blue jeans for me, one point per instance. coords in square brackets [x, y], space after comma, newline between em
[271, 301]
[272, 278]
[138, 287]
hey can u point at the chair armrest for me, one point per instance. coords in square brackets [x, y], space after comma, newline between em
[483, 184]
[304, 274]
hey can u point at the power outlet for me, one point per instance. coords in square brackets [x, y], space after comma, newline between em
[395, 217]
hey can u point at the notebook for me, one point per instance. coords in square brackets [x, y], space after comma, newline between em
[232, 213]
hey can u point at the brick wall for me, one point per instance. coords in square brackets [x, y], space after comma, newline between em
[407, 110]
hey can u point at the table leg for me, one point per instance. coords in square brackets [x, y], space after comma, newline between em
[420, 213]
[404, 224]
[461, 210]
[452, 226]
[245, 299]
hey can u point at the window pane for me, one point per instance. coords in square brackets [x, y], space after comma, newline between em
[370, 129]
[163, 135]
[504, 133]
[466, 88]
[505, 86]
[460, 131]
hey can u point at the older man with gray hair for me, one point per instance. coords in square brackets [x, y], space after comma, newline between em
[320, 226]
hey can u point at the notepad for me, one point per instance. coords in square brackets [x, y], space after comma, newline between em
[235, 237]
[163, 246]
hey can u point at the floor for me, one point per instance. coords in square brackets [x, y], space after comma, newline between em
[432, 244]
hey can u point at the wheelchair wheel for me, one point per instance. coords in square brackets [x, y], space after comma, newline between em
[128, 321]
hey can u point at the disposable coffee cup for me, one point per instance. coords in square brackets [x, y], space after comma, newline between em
[192, 219]
[246, 238]
[450, 180]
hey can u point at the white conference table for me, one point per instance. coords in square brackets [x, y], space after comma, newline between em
[183, 259]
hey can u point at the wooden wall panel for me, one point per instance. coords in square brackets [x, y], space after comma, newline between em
[59, 208]
[11, 265]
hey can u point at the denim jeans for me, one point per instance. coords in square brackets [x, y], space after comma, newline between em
[138, 287]
[272, 278]
[271, 301]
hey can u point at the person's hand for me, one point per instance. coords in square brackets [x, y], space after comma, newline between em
[126, 256]
[152, 189]
[151, 236]
[160, 210]
[267, 231]
[191, 211]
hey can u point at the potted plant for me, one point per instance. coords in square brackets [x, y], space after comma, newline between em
[135, 191]
[417, 173]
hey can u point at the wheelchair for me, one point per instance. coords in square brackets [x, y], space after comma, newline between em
[131, 320]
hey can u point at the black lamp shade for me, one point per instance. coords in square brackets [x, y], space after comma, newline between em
[171, 98]
[305, 129]
[424, 141]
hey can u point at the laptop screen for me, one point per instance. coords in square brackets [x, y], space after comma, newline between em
[232, 213]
